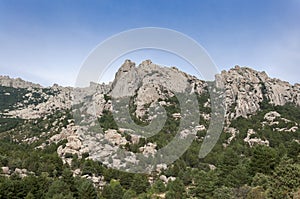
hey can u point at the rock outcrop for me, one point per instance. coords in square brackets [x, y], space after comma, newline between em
[246, 89]
[255, 140]
[150, 82]
[60, 101]
[17, 83]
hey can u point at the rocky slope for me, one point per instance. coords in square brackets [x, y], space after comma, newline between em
[246, 92]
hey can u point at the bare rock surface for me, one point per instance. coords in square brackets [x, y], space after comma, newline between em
[255, 140]
[246, 89]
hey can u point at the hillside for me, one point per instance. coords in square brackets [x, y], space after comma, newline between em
[111, 140]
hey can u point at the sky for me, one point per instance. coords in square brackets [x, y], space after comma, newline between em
[47, 41]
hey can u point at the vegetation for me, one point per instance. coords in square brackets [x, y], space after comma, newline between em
[235, 171]
[11, 98]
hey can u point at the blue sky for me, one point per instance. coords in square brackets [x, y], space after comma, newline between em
[47, 41]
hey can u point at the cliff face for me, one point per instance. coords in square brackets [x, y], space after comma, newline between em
[150, 82]
[147, 74]
[246, 89]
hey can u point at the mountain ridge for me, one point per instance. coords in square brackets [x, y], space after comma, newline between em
[245, 88]
[46, 129]
[5, 80]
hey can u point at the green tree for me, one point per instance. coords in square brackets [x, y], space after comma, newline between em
[58, 186]
[256, 193]
[86, 190]
[126, 179]
[177, 188]
[62, 196]
[113, 190]
[294, 151]
[29, 196]
[261, 180]
[237, 177]
[223, 193]
[205, 184]
[170, 195]
[67, 177]
[263, 160]
[129, 194]
[140, 183]
[159, 186]
[285, 180]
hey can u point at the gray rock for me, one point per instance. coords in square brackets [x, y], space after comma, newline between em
[5, 170]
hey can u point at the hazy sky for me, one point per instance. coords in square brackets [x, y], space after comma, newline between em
[47, 41]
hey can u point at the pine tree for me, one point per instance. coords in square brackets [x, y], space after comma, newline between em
[140, 183]
[86, 190]
[285, 180]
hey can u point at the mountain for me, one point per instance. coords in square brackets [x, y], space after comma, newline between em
[58, 131]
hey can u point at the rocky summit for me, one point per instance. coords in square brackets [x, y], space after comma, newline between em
[245, 89]
[98, 130]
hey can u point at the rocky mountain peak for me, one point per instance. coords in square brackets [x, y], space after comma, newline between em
[245, 89]
[239, 73]
[17, 83]
[127, 66]
[145, 63]
[126, 80]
